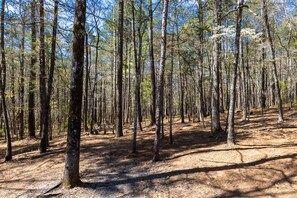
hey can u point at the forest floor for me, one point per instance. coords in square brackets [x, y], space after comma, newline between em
[262, 164]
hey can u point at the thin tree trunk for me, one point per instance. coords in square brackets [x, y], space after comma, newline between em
[243, 77]
[119, 131]
[87, 76]
[42, 82]
[93, 93]
[13, 99]
[129, 90]
[200, 52]
[263, 81]
[152, 64]
[140, 62]
[32, 83]
[71, 172]
[231, 138]
[46, 118]
[274, 69]
[171, 92]
[159, 107]
[22, 89]
[137, 80]
[181, 79]
[8, 155]
[114, 92]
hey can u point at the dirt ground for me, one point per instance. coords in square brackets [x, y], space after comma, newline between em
[262, 164]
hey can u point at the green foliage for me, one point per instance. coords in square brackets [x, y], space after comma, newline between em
[145, 90]
[2, 132]
[284, 89]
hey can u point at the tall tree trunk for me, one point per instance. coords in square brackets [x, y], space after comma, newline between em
[137, 81]
[22, 85]
[94, 89]
[274, 69]
[171, 91]
[13, 98]
[32, 83]
[200, 52]
[8, 155]
[140, 62]
[87, 76]
[152, 64]
[119, 131]
[231, 138]
[71, 172]
[129, 90]
[263, 81]
[215, 99]
[244, 85]
[42, 82]
[181, 79]
[46, 118]
[159, 109]
[114, 78]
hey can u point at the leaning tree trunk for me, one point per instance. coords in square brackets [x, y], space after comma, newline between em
[71, 172]
[8, 155]
[274, 70]
[159, 107]
[231, 138]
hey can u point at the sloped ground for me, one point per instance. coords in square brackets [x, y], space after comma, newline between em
[262, 164]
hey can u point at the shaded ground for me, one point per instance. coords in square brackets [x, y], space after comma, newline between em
[262, 164]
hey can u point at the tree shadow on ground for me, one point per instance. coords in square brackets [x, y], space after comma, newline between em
[132, 181]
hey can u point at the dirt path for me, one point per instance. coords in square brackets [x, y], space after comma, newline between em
[262, 164]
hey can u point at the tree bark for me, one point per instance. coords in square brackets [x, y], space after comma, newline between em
[46, 118]
[119, 131]
[71, 172]
[87, 76]
[152, 64]
[159, 107]
[244, 84]
[171, 92]
[42, 82]
[22, 85]
[215, 98]
[137, 80]
[32, 83]
[13, 98]
[200, 53]
[274, 69]
[263, 81]
[140, 63]
[8, 155]
[231, 138]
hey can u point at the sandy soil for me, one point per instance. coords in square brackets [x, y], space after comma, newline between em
[262, 164]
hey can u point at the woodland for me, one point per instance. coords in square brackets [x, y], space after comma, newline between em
[148, 98]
